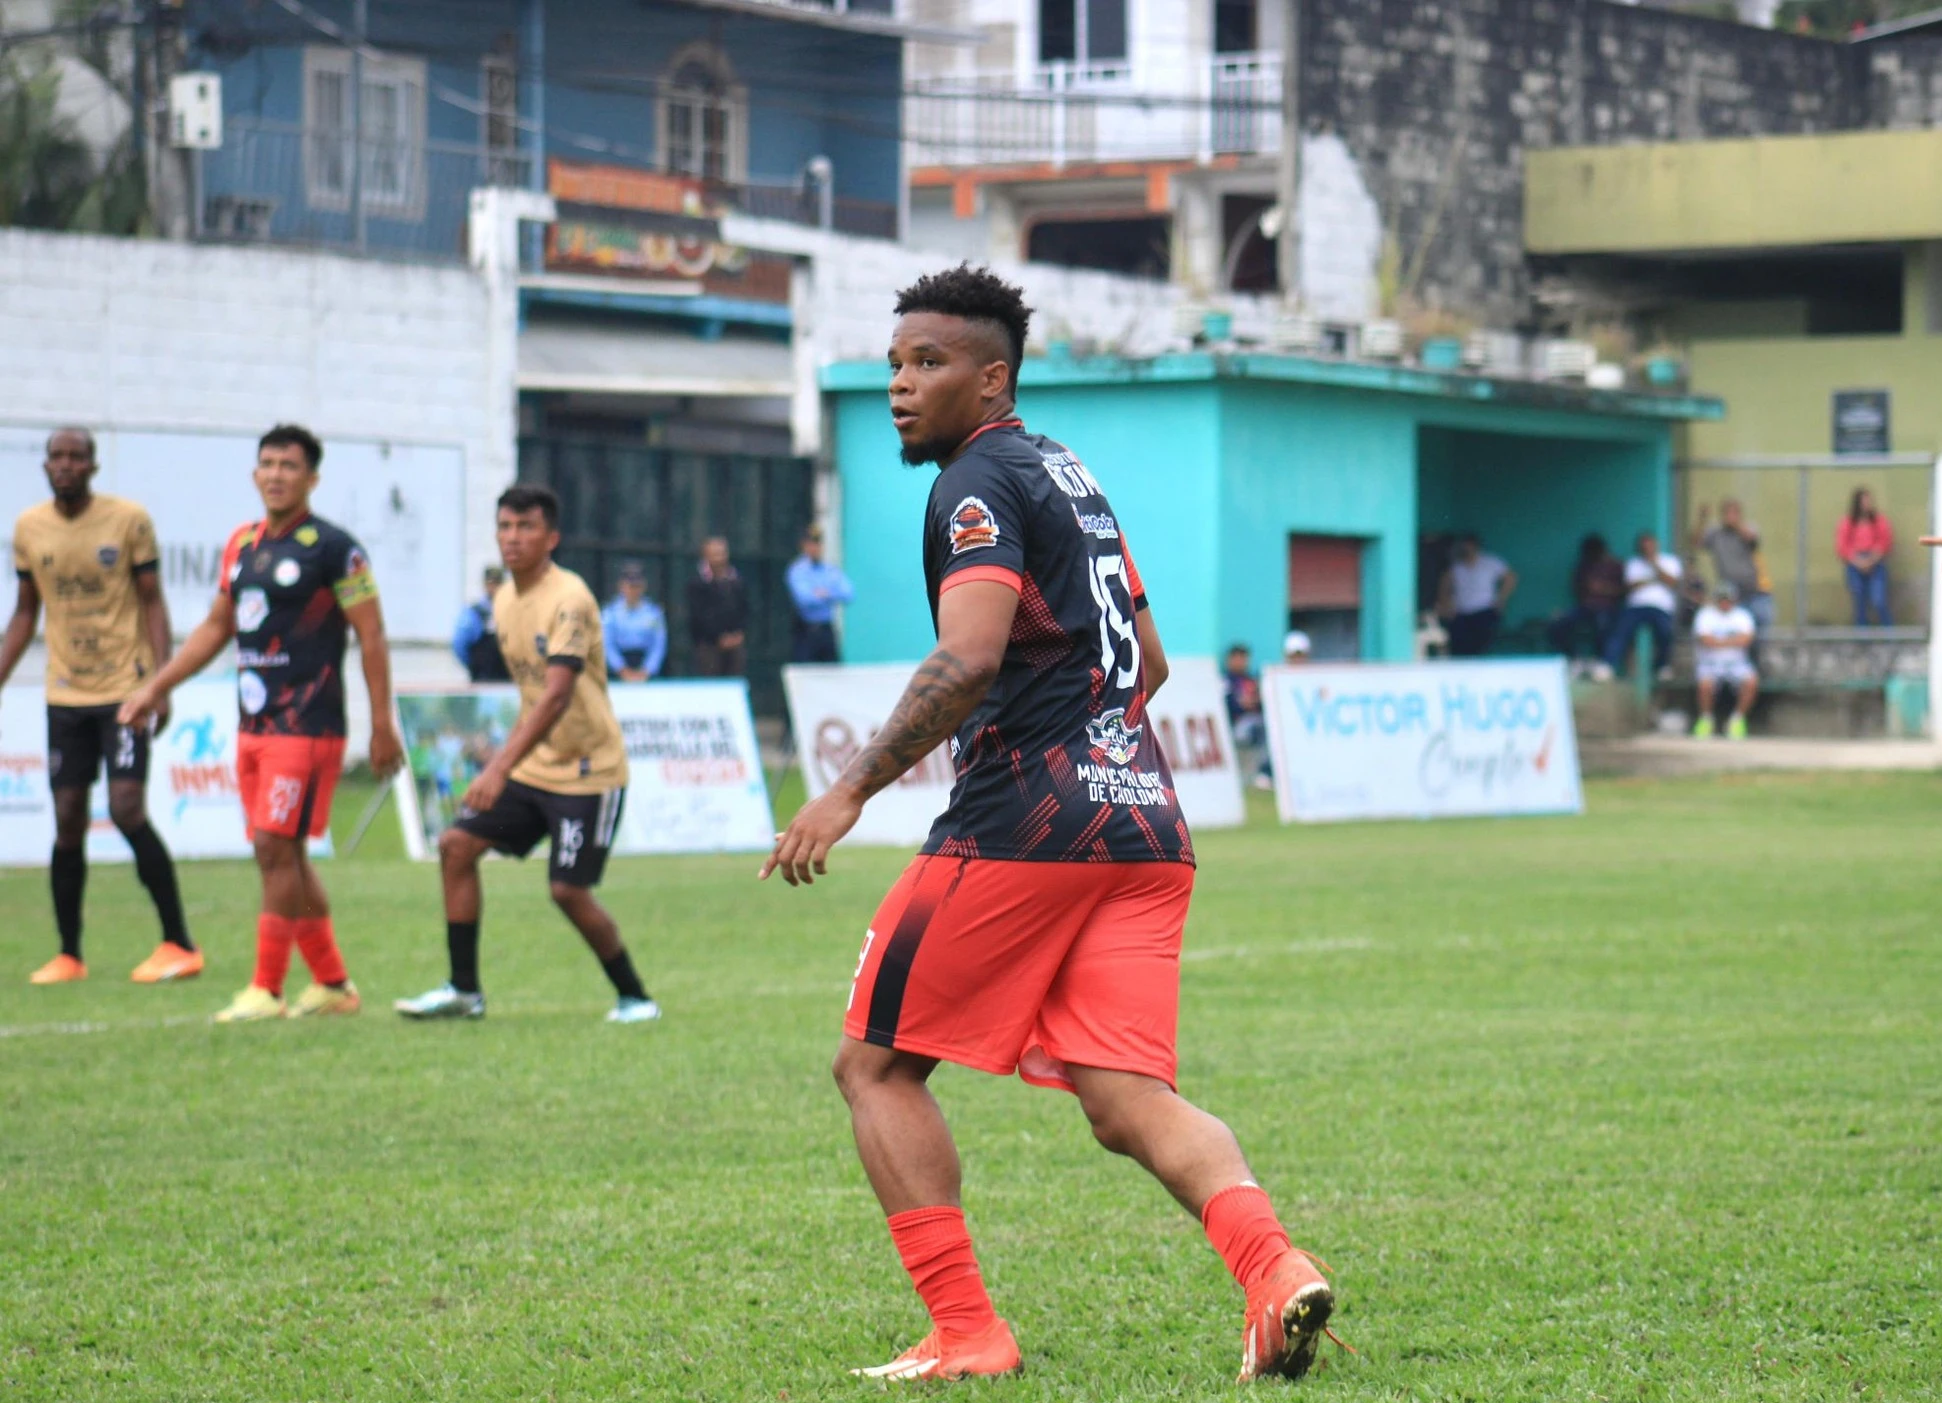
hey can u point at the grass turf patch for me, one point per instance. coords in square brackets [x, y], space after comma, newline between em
[1642, 1105]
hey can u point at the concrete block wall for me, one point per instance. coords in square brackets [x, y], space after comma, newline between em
[144, 334]
[139, 334]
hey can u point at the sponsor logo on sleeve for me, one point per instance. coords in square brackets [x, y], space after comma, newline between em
[973, 526]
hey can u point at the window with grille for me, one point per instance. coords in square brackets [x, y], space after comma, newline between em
[391, 154]
[704, 117]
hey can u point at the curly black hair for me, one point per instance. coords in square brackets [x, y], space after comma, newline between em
[976, 294]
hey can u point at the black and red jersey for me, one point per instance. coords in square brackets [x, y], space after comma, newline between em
[289, 592]
[1057, 764]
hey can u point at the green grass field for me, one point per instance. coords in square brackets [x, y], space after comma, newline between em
[1643, 1105]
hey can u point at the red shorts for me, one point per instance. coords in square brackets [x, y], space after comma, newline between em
[287, 783]
[1027, 966]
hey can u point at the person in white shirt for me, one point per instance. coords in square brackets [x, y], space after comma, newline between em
[1722, 633]
[1472, 596]
[1651, 584]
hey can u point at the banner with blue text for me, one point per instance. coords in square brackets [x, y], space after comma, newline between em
[1422, 740]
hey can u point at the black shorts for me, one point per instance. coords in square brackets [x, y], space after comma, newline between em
[79, 738]
[580, 825]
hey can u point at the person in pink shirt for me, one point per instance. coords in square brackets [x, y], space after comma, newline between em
[1862, 540]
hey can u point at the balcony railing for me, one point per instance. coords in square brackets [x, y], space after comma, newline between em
[281, 183]
[1068, 113]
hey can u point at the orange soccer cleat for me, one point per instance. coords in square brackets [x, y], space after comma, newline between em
[1287, 1315]
[940, 1356]
[62, 969]
[166, 963]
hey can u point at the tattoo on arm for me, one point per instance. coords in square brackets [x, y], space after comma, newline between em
[943, 691]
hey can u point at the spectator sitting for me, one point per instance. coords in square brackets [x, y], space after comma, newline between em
[634, 629]
[1862, 540]
[816, 588]
[718, 613]
[1597, 594]
[1472, 597]
[1651, 579]
[1722, 633]
[475, 643]
[1734, 545]
[1243, 696]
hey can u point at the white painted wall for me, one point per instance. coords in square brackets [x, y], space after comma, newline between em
[148, 337]
[845, 287]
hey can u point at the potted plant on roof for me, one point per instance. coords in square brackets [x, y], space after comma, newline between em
[1662, 365]
[1437, 333]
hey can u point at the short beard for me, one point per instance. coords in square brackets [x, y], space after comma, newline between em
[915, 455]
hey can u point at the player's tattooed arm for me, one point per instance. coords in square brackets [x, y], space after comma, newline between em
[973, 626]
[942, 692]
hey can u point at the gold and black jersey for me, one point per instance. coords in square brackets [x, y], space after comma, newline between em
[557, 620]
[85, 568]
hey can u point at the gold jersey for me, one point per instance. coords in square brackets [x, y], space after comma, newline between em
[557, 619]
[84, 568]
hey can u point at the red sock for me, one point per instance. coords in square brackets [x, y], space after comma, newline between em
[319, 946]
[936, 1250]
[273, 937]
[1240, 1222]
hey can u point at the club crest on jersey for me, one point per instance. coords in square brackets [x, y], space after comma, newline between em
[252, 607]
[107, 555]
[972, 526]
[1111, 736]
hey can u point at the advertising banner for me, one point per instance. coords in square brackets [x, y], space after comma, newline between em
[192, 800]
[695, 782]
[1426, 740]
[837, 709]
[394, 498]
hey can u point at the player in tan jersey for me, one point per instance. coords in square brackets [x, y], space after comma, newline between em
[562, 773]
[92, 561]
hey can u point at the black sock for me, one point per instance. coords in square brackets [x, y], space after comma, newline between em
[67, 873]
[462, 944]
[157, 871]
[620, 970]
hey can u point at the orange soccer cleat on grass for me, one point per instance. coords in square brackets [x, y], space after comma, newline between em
[941, 1356]
[167, 963]
[62, 969]
[1287, 1316]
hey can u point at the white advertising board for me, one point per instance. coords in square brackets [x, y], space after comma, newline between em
[694, 785]
[396, 499]
[836, 709]
[1425, 740]
[192, 799]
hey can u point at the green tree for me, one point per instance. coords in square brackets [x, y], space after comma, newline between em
[49, 177]
[1836, 19]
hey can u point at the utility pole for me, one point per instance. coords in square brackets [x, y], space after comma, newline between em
[170, 190]
[1287, 247]
[360, 28]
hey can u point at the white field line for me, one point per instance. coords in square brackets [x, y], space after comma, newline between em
[1323, 946]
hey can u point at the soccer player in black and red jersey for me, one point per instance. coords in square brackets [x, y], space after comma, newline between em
[292, 586]
[1040, 929]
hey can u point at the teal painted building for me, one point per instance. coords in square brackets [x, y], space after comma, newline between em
[1253, 488]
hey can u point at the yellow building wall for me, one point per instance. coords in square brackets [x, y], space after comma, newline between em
[1763, 192]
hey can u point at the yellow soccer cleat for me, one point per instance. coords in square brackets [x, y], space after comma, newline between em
[168, 963]
[62, 969]
[322, 1001]
[253, 1005]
